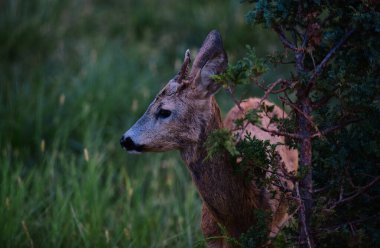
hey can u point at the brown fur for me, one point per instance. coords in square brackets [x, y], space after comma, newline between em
[288, 156]
[227, 198]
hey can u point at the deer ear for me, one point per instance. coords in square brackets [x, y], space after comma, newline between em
[211, 60]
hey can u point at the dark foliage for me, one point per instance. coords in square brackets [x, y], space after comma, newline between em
[333, 97]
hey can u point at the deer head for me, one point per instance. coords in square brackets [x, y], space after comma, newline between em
[177, 116]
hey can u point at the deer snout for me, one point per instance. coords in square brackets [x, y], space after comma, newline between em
[130, 145]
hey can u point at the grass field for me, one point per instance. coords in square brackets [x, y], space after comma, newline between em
[74, 75]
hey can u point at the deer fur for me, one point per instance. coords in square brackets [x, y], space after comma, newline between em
[181, 117]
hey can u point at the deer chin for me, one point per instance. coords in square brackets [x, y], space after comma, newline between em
[134, 149]
[144, 149]
[156, 148]
[134, 152]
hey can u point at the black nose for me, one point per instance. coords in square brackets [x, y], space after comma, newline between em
[129, 145]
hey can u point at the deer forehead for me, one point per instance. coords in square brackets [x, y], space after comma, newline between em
[170, 89]
[167, 97]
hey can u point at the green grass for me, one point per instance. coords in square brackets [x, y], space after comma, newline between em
[53, 194]
[74, 76]
[68, 201]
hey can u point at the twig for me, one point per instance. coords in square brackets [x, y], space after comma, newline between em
[269, 90]
[300, 53]
[295, 107]
[294, 35]
[283, 38]
[323, 63]
[357, 193]
[279, 133]
[289, 216]
[312, 59]
[352, 228]
[321, 189]
[333, 228]
[341, 191]
[260, 85]
[229, 91]
[333, 128]
[286, 175]
[305, 39]
[287, 97]
[289, 174]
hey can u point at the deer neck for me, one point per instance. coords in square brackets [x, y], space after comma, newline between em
[220, 188]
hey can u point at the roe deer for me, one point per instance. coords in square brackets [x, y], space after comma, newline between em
[181, 117]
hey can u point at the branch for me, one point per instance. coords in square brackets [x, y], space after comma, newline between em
[287, 97]
[285, 174]
[237, 102]
[321, 189]
[333, 228]
[357, 193]
[333, 128]
[326, 59]
[283, 38]
[289, 216]
[294, 35]
[300, 54]
[279, 133]
[270, 90]
[305, 39]
[261, 86]
[295, 107]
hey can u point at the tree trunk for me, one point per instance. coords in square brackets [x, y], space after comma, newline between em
[305, 186]
[306, 183]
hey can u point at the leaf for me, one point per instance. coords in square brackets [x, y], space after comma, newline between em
[221, 140]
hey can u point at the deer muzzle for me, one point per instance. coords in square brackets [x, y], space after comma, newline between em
[128, 144]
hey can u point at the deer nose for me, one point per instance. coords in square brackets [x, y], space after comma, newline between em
[127, 143]
[130, 145]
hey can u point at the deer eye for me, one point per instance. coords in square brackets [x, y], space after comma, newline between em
[164, 113]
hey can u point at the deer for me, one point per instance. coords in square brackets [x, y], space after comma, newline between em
[182, 116]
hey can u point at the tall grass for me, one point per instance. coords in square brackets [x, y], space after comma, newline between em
[74, 75]
[72, 201]
[66, 182]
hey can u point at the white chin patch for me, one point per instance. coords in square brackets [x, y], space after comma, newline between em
[134, 152]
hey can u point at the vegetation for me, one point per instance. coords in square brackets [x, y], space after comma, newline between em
[332, 94]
